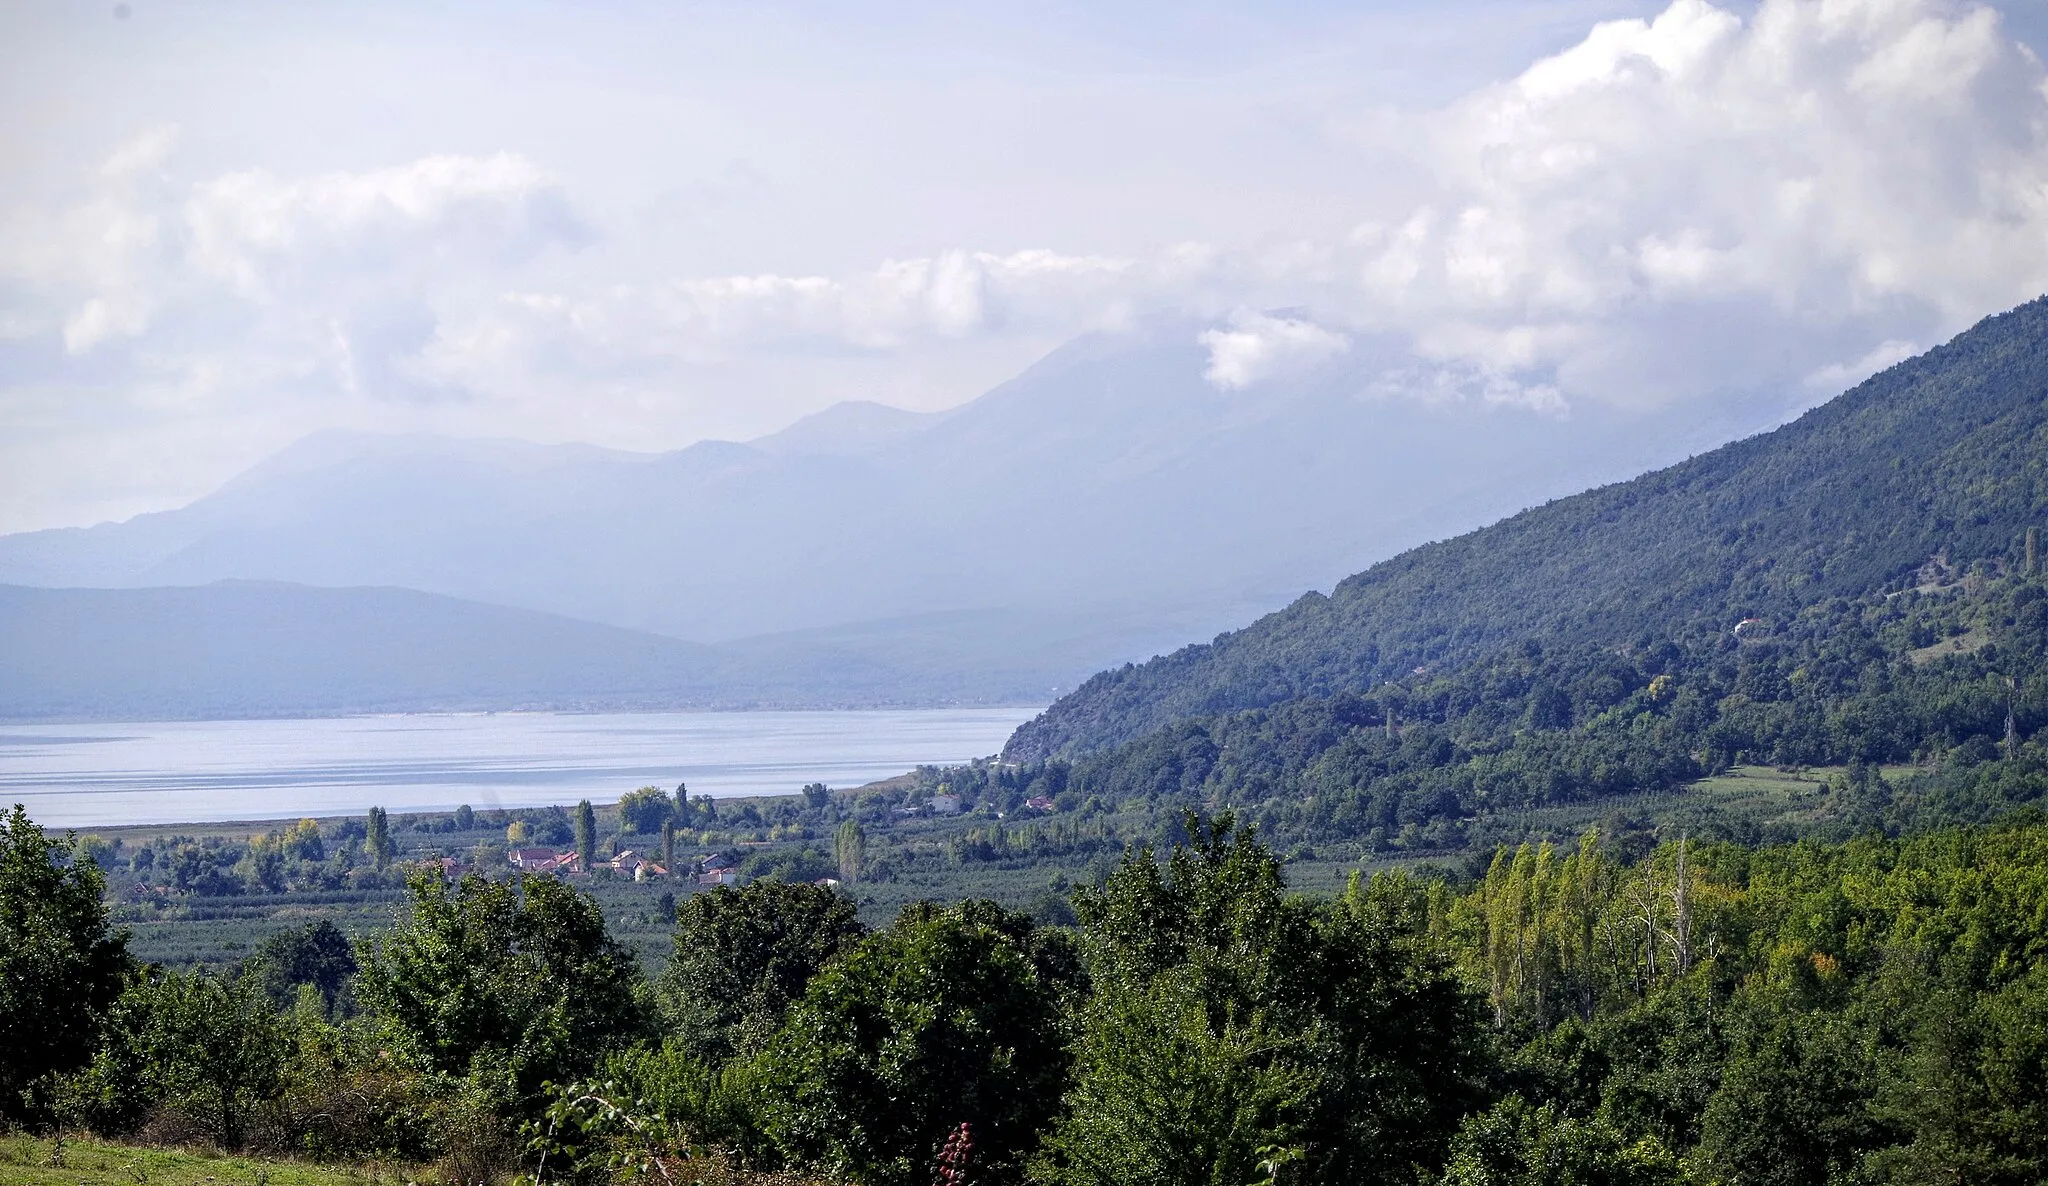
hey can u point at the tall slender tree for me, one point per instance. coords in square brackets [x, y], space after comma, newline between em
[586, 834]
[377, 837]
[850, 846]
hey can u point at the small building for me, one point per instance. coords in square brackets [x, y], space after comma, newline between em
[544, 860]
[721, 877]
[534, 860]
[945, 804]
[637, 867]
[1038, 803]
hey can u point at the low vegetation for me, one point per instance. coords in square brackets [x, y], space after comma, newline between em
[1868, 1011]
[73, 1160]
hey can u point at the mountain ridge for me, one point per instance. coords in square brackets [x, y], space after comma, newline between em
[1109, 475]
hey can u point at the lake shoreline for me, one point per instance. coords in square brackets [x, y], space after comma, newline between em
[161, 774]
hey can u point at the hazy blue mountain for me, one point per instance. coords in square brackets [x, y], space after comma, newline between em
[847, 429]
[1920, 473]
[1105, 505]
[249, 648]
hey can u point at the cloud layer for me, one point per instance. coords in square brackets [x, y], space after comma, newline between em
[1671, 208]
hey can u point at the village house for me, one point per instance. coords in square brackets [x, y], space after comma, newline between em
[637, 867]
[544, 860]
[531, 859]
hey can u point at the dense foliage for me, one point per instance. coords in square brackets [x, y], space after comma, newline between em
[60, 966]
[1231, 1023]
[1927, 702]
[1862, 1012]
[511, 982]
[741, 957]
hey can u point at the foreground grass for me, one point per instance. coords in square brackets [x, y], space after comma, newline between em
[42, 1161]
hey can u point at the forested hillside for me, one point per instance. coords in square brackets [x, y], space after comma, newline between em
[1920, 708]
[1924, 473]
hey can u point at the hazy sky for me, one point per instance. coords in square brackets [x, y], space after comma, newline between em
[223, 226]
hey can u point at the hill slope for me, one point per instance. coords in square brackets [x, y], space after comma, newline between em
[1939, 460]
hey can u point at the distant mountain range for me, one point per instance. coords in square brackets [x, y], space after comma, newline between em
[1107, 505]
[1935, 468]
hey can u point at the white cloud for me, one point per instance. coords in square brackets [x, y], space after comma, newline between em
[247, 287]
[256, 231]
[1838, 376]
[1692, 203]
[1462, 382]
[652, 326]
[1258, 347]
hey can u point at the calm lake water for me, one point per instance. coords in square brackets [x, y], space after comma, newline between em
[199, 771]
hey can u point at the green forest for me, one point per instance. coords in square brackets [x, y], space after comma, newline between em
[1874, 1010]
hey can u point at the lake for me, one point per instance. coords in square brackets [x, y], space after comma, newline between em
[97, 775]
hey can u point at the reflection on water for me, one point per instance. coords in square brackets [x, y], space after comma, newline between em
[197, 771]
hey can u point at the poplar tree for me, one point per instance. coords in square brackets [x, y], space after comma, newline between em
[851, 848]
[377, 837]
[586, 834]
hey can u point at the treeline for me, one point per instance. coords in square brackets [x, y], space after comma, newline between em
[1869, 1012]
[1951, 681]
[1875, 1011]
[366, 855]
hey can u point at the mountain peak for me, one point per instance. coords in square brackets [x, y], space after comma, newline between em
[849, 428]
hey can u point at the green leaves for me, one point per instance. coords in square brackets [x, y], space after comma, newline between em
[517, 978]
[1230, 1020]
[950, 1016]
[1164, 1095]
[1517, 1144]
[742, 955]
[60, 965]
[645, 810]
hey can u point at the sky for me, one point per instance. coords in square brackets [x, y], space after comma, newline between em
[225, 226]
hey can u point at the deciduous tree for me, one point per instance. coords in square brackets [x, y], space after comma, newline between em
[61, 967]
